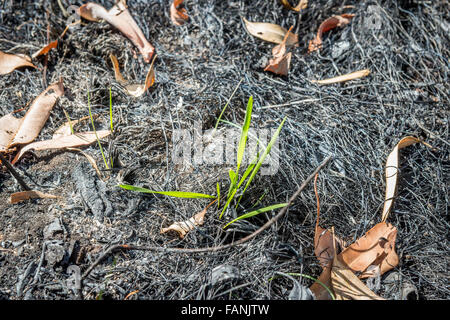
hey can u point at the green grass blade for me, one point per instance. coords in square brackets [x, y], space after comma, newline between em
[263, 156]
[177, 194]
[244, 133]
[233, 192]
[95, 131]
[255, 212]
[218, 194]
[226, 105]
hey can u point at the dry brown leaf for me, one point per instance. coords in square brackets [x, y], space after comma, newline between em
[347, 286]
[270, 32]
[375, 248]
[345, 77]
[45, 49]
[8, 128]
[178, 15]
[281, 62]
[135, 90]
[64, 130]
[74, 140]
[300, 6]
[327, 25]
[392, 172]
[31, 194]
[183, 227]
[119, 17]
[37, 115]
[10, 62]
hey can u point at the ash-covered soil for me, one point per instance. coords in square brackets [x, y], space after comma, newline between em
[404, 44]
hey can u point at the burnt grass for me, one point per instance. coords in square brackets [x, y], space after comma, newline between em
[404, 44]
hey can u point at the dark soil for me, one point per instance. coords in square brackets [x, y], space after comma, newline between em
[197, 69]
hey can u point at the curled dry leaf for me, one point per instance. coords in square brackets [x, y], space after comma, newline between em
[327, 25]
[10, 62]
[45, 49]
[135, 90]
[375, 249]
[345, 77]
[270, 32]
[31, 194]
[300, 6]
[36, 116]
[73, 140]
[183, 227]
[392, 172]
[281, 62]
[178, 15]
[119, 17]
[347, 286]
[9, 125]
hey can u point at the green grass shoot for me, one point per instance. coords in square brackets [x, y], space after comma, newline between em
[95, 131]
[226, 105]
[255, 212]
[176, 194]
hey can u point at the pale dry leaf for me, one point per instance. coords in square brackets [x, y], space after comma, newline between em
[347, 286]
[74, 140]
[300, 6]
[345, 77]
[392, 172]
[270, 32]
[10, 62]
[9, 125]
[119, 17]
[178, 15]
[30, 194]
[327, 25]
[37, 115]
[183, 227]
[64, 130]
[135, 90]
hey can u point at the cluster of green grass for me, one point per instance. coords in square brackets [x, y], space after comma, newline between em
[238, 183]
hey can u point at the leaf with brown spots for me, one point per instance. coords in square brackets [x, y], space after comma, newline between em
[119, 17]
[10, 62]
[327, 25]
[178, 15]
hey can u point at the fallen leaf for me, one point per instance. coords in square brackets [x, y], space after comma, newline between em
[65, 130]
[281, 62]
[90, 159]
[327, 25]
[45, 49]
[10, 62]
[375, 248]
[37, 115]
[31, 194]
[178, 15]
[74, 140]
[347, 286]
[300, 6]
[345, 77]
[183, 227]
[119, 17]
[8, 128]
[135, 90]
[392, 172]
[270, 32]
